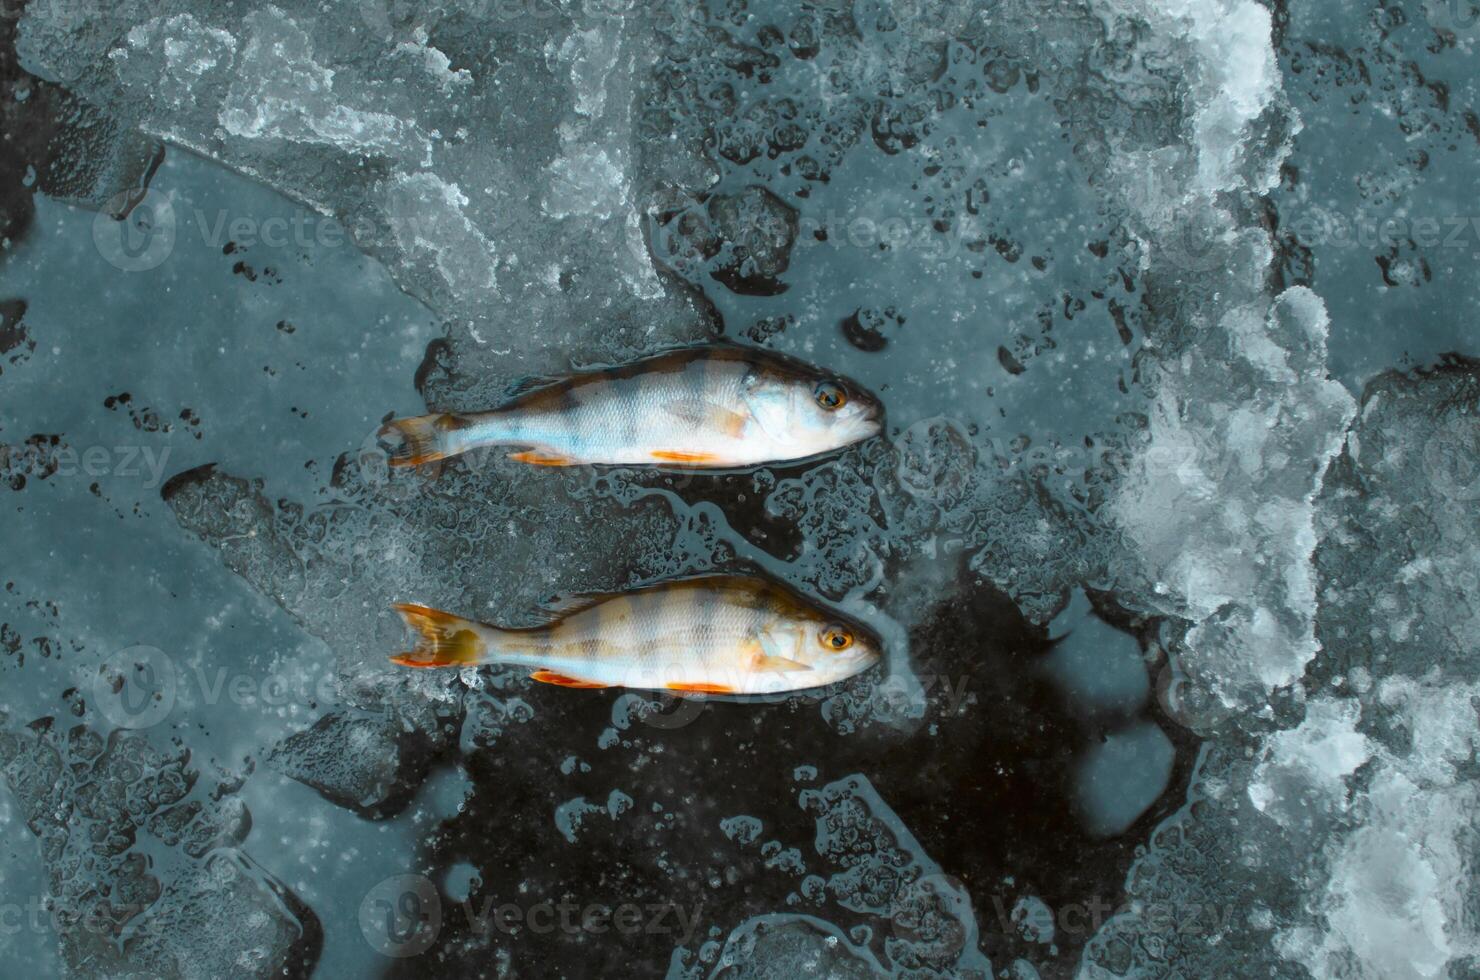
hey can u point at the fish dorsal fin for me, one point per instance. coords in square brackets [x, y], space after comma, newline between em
[706, 416]
[563, 604]
[570, 603]
[528, 383]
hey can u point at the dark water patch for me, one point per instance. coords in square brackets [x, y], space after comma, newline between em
[643, 805]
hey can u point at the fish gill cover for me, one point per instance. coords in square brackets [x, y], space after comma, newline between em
[1170, 537]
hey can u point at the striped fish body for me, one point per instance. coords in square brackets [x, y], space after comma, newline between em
[677, 411]
[724, 635]
[702, 407]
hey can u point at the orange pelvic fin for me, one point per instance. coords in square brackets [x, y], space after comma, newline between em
[423, 439]
[443, 640]
[683, 456]
[536, 458]
[561, 680]
[701, 688]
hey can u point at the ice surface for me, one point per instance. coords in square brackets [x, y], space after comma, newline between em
[1220, 503]
[779, 946]
[1302, 780]
[135, 842]
[379, 118]
[1337, 843]
[367, 764]
[883, 871]
[1388, 231]
[510, 231]
[1051, 234]
[1099, 668]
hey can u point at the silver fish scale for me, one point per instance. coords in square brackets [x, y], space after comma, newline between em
[649, 639]
[623, 419]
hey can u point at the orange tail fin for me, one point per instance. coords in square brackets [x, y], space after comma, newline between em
[422, 439]
[443, 640]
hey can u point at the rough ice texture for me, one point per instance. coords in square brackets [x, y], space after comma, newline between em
[382, 541]
[1400, 602]
[1220, 502]
[883, 871]
[1338, 843]
[524, 232]
[135, 842]
[370, 765]
[777, 947]
[521, 153]
[1302, 777]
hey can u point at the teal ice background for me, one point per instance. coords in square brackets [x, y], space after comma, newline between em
[1172, 535]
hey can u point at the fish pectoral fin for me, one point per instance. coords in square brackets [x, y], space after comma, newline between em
[772, 655]
[536, 457]
[683, 456]
[764, 661]
[700, 688]
[707, 416]
[562, 680]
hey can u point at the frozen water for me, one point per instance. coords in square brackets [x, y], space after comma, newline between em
[1119, 779]
[1350, 818]
[1221, 501]
[1180, 674]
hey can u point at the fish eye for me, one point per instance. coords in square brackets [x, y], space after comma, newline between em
[836, 638]
[830, 396]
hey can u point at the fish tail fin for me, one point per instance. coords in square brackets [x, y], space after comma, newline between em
[422, 438]
[443, 640]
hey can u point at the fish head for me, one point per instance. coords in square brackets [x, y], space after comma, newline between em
[831, 647]
[811, 413]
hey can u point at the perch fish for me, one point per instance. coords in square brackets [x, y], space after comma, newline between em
[712, 634]
[704, 407]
